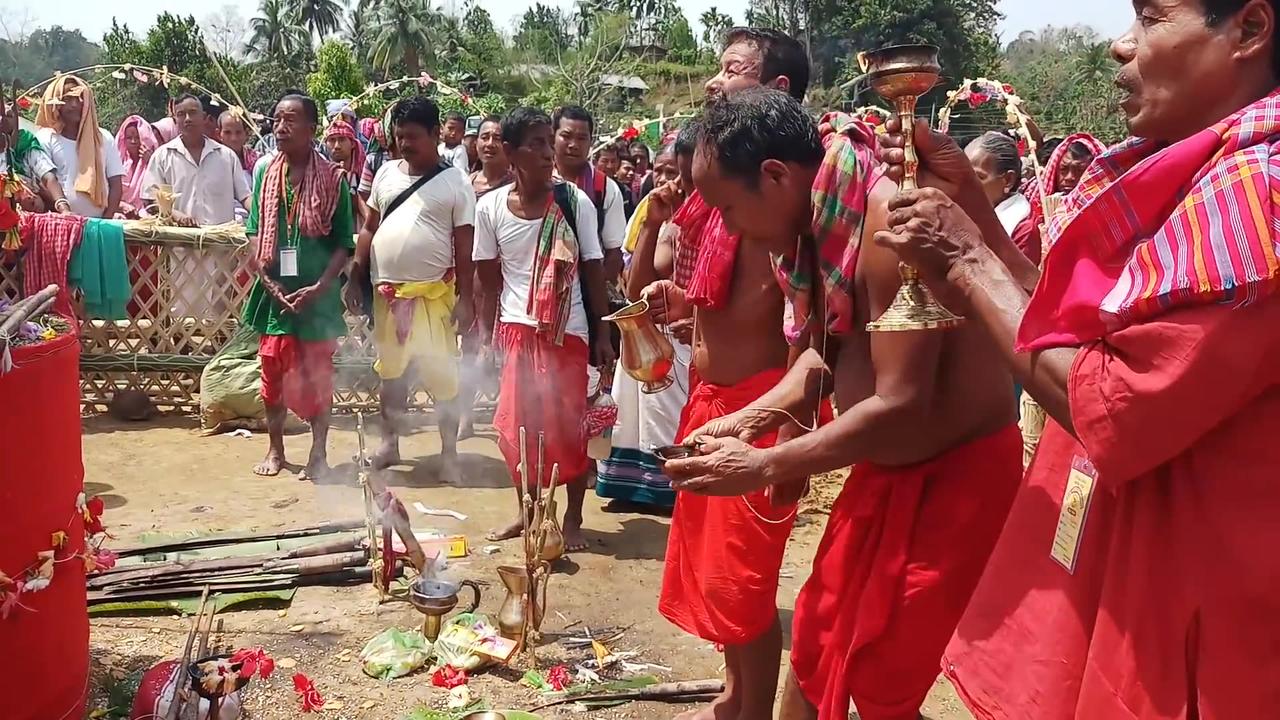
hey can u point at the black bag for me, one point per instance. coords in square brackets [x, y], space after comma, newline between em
[367, 280]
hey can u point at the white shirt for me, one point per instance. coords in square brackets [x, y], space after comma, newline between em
[207, 189]
[456, 156]
[35, 165]
[415, 243]
[66, 160]
[1013, 210]
[500, 235]
[613, 235]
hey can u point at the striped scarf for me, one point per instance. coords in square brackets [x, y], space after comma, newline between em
[555, 268]
[317, 197]
[716, 249]
[840, 189]
[1151, 229]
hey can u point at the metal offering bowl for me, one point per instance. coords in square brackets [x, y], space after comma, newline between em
[900, 70]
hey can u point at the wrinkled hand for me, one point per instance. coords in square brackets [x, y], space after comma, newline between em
[277, 293]
[663, 202]
[353, 297]
[943, 164]
[747, 425]
[682, 330]
[667, 302]
[182, 220]
[726, 467]
[930, 232]
[302, 297]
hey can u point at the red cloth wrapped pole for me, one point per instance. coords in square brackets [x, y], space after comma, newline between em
[46, 648]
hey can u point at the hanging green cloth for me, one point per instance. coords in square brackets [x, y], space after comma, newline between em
[98, 267]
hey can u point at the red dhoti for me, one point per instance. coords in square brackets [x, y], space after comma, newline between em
[720, 581]
[297, 373]
[902, 553]
[544, 389]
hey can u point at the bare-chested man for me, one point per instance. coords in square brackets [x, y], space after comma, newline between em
[724, 554]
[925, 416]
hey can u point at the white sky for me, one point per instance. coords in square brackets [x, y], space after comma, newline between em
[93, 17]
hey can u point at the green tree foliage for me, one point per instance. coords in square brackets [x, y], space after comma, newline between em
[963, 30]
[1065, 76]
[715, 25]
[174, 42]
[276, 32]
[44, 52]
[677, 37]
[543, 32]
[484, 55]
[320, 17]
[402, 34]
[337, 73]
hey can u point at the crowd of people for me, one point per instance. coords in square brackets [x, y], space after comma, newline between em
[1124, 294]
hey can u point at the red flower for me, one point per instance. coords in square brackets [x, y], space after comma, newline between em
[24, 103]
[449, 677]
[977, 98]
[1022, 147]
[872, 119]
[93, 516]
[8, 215]
[307, 693]
[558, 677]
[387, 291]
[630, 133]
[1008, 89]
[254, 660]
[466, 99]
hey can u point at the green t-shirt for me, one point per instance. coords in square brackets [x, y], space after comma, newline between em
[322, 318]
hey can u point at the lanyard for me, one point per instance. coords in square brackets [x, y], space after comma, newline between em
[293, 225]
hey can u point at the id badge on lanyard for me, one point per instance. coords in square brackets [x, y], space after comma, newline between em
[289, 253]
[1075, 511]
[288, 262]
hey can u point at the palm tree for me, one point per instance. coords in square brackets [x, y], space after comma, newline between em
[276, 31]
[321, 17]
[402, 31]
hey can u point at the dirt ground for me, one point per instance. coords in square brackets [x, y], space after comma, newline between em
[162, 476]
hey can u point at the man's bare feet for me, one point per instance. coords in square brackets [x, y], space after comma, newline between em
[270, 465]
[450, 474]
[317, 467]
[514, 530]
[387, 455]
[574, 540]
[726, 706]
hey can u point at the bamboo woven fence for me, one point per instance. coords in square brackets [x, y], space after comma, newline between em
[187, 291]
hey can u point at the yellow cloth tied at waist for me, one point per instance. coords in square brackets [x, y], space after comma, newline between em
[416, 326]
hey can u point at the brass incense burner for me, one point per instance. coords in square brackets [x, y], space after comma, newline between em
[901, 74]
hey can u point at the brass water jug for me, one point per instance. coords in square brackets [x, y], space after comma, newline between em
[647, 355]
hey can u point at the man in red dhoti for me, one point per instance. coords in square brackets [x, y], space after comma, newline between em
[724, 554]
[539, 259]
[1135, 577]
[925, 417]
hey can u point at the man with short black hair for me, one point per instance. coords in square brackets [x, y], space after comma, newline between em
[574, 130]
[1136, 576]
[415, 248]
[926, 419]
[533, 240]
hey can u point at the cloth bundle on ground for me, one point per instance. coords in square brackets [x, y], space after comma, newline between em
[230, 386]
